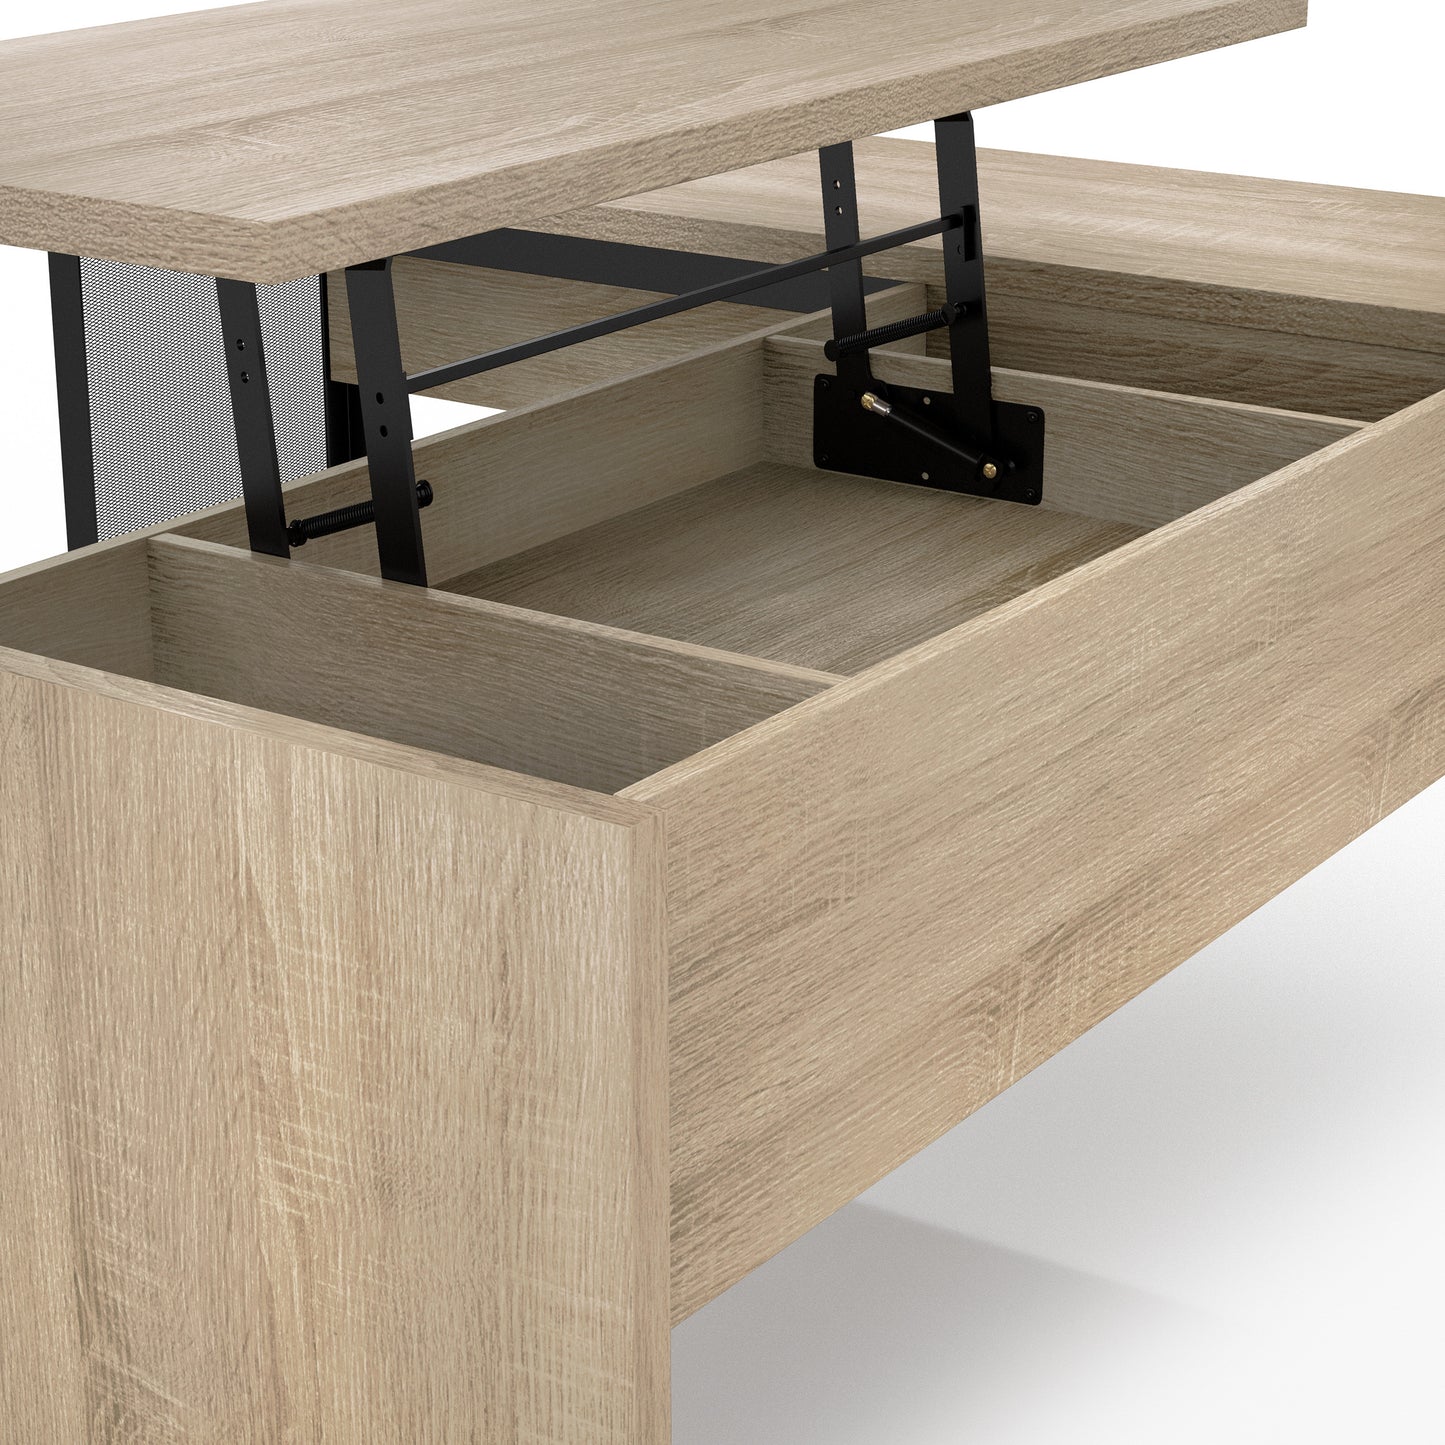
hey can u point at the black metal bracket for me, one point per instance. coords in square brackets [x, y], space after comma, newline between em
[255, 422]
[386, 419]
[960, 441]
[265, 502]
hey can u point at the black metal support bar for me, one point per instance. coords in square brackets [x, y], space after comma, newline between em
[960, 440]
[963, 276]
[655, 311]
[845, 277]
[345, 435]
[892, 331]
[255, 424]
[386, 417]
[632, 268]
[343, 519]
[72, 389]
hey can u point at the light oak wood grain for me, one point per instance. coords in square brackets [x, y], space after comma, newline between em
[1229, 250]
[1114, 453]
[581, 704]
[888, 903]
[807, 567]
[1292, 371]
[293, 1149]
[273, 140]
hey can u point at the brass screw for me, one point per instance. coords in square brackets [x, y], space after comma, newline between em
[990, 472]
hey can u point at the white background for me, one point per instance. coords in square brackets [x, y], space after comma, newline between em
[1218, 1217]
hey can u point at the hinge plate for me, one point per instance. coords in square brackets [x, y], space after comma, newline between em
[848, 438]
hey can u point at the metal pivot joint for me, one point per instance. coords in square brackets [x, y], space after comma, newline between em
[963, 440]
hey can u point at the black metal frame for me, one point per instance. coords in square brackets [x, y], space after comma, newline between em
[255, 422]
[72, 387]
[961, 441]
[386, 419]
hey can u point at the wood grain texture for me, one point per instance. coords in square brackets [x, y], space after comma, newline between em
[1292, 371]
[1231, 250]
[591, 706]
[293, 1150]
[447, 312]
[273, 140]
[1114, 453]
[807, 567]
[890, 902]
[91, 607]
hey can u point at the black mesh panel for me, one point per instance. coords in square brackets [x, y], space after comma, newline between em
[165, 441]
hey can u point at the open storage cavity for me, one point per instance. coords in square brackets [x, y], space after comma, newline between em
[646, 567]
[778, 559]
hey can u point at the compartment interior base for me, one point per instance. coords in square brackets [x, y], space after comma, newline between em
[801, 566]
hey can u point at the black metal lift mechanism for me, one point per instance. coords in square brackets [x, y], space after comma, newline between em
[961, 441]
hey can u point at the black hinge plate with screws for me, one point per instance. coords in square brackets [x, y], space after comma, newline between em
[911, 439]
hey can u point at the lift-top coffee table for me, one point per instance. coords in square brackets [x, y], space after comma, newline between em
[465, 908]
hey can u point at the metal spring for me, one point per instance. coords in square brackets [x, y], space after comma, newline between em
[343, 519]
[946, 315]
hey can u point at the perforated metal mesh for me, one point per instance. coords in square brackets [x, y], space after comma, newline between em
[164, 438]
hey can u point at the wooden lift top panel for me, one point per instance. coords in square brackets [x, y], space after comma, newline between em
[273, 140]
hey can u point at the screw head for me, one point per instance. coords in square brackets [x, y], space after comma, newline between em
[1031, 416]
[925, 476]
[990, 472]
[823, 383]
[1030, 495]
[928, 401]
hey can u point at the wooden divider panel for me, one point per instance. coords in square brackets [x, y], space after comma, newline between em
[592, 706]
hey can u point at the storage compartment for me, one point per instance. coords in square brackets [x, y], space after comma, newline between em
[643, 569]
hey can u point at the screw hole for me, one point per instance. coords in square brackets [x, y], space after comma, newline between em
[837, 185]
[245, 376]
[380, 398]
[838, 210]
[383, 431]
[240, 343]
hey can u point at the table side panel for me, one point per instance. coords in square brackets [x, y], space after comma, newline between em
[294, 1146]
[891, 902]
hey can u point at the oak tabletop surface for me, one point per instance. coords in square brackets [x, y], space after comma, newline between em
[271, 140]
